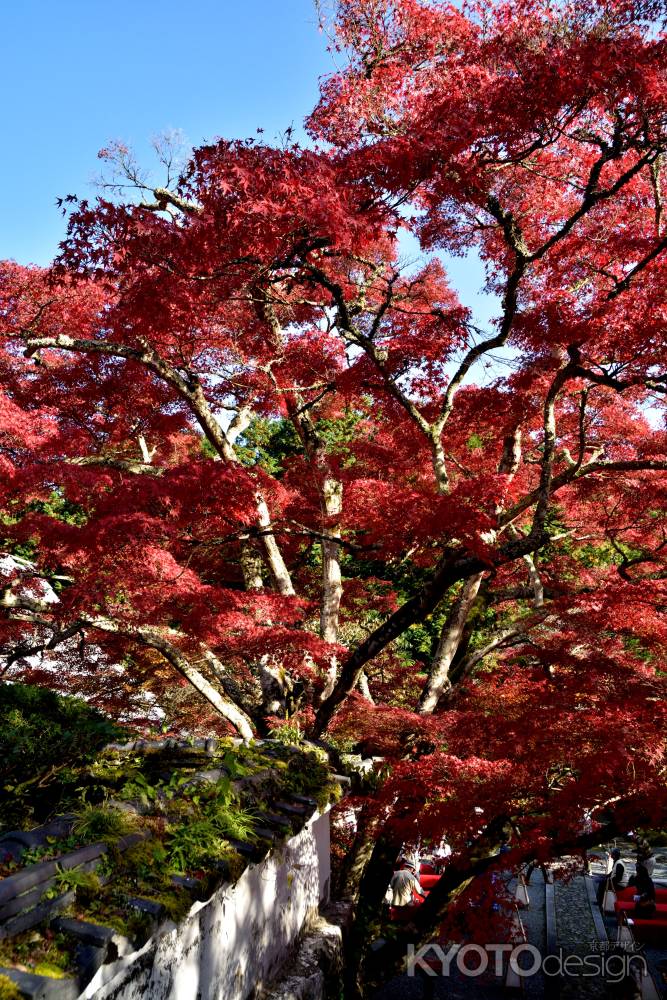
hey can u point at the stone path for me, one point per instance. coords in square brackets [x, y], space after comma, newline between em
[534, 923]
[579, 930]
[576, 935]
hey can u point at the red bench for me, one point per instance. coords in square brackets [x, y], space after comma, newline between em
[628, 906]
[630, 891]
[650, 930]
[653, 931]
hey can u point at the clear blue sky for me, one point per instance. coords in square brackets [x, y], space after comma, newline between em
[76, 74]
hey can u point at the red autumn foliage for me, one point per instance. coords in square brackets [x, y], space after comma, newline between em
[255, 452]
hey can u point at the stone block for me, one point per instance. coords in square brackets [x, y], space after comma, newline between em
[16, 842]
[147, 906]
[42, 913]
[25, 901]
[89, 959]
[35, 875]
[42, 987]
[93, 934]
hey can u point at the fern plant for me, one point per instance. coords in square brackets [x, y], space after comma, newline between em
[103, 822]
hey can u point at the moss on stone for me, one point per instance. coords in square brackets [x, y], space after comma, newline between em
[190, 817]
[41, 949]
[8, 989]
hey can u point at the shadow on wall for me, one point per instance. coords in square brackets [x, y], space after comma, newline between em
[237, 940]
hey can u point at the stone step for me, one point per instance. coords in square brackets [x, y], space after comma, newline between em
[20, 894]
[99, 936]
[194, 886]
[275, 820]
[24, 901]
[37, 874]
[292, 808]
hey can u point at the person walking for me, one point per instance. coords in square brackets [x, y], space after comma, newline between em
[546, 874]
[614, 875]
[645, 856]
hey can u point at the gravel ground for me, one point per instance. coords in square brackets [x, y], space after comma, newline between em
[575, 934]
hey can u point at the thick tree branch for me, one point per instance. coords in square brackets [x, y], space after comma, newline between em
[119, 464]
[570, 475]
[162, 639]
[438, 682]
[593, 196]
[190, 389]
[625, 282]
[450, 571]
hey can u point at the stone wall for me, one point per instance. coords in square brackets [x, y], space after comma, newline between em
[230, 946]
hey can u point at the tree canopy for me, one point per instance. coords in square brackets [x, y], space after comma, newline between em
[282, 475]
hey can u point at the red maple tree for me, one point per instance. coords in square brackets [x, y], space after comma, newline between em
[253, 452]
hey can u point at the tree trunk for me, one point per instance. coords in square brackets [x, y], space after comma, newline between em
[332, 587]
[273, 688]
[372, 888]
[277, 567]
[452, 633]
[227, 709]
[364, 688]
[357, 858]
[251, 566]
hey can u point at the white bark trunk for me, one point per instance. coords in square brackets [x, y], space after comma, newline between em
[535, 581]
[271, 679]
[439, 463]
[364, 688]
[225, 708]
[251, 567]
[155, 638]
[279, 571]
[147, 454]
[332, 586]
[451, 635]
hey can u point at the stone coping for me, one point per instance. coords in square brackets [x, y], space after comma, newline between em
[22, 903]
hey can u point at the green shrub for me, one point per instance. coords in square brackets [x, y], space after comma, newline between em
[45, 739]
[192, 845]
[289, 733]
[309, 774]
[50, 970]
[231, 820]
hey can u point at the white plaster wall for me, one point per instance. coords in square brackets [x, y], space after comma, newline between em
[235, 942]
